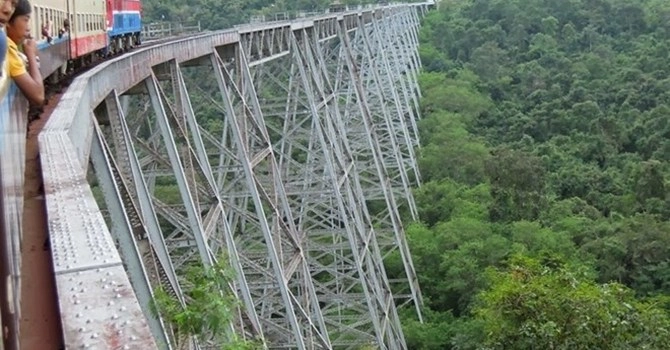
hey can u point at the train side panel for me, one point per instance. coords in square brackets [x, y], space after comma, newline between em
[88, 32]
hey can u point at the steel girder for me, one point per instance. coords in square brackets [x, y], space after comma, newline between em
[384, 147]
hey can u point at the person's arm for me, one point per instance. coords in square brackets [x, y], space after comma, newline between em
[31, 83]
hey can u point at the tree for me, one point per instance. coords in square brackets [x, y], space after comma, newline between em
[551, 305]
[550, 25]
[517, 185]
[650, 182]
[633, 251]
[210, 307]
[487, 60]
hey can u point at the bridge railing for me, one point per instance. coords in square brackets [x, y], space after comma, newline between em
[163, 30]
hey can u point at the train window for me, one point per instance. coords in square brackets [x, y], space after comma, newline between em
[36, 22]
[46, 24]
[48, 18]
[43, 20]
[50, 21]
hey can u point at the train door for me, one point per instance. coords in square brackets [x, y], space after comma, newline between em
[72, 24]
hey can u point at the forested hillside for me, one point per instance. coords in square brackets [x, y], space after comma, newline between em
[546, 140]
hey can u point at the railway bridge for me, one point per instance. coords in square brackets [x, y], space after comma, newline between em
[285, 148]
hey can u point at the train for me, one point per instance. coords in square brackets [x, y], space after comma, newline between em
[74, 33]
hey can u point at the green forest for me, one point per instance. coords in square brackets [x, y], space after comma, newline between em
[545, 147]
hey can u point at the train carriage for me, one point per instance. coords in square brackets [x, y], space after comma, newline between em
[75, 32]
[48, 19]
[88, 30]
[67, 31]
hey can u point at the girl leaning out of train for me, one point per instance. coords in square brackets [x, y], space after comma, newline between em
[22, 54]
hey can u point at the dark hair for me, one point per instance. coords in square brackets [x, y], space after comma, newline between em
[23, 7]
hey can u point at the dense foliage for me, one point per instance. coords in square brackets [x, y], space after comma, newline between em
[545, 154]
[209, 310]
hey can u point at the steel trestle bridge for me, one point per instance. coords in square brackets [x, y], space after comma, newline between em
[286, 148]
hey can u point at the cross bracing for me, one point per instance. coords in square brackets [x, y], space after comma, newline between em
[286, 148]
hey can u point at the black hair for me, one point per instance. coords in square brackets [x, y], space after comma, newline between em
[22, 8]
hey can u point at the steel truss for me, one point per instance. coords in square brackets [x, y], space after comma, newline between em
[290, 153]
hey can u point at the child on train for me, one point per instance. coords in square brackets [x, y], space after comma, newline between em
[6, 10]
[24, 64]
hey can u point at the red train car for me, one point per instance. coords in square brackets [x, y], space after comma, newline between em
[75, 32]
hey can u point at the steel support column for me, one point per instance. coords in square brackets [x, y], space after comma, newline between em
[166, 132]
[121, 230]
